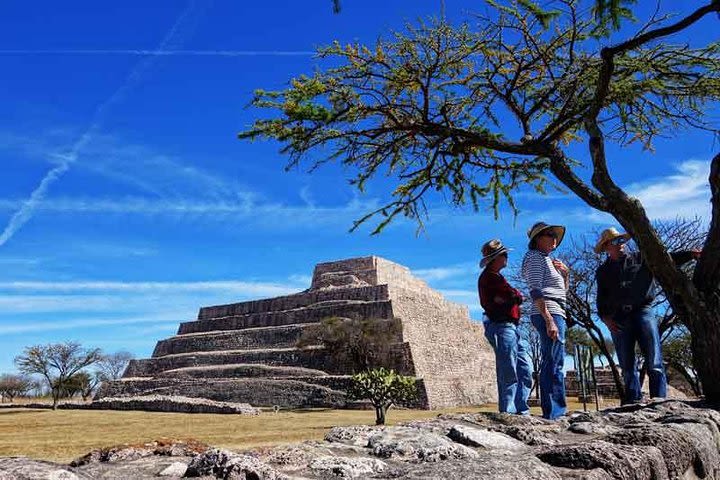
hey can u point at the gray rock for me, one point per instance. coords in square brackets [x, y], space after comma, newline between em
[623, 462]
[415, 444]
[583, 428]
[487, 467]
[355, 435]
[21, 468]
[676, 447]
[487, 439]
[345, 467]
[175, 469]
[229, 465]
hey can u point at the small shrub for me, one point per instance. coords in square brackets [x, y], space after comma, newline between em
[384, 388]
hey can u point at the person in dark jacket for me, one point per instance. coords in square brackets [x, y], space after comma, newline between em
[501, 303]
[625, 291]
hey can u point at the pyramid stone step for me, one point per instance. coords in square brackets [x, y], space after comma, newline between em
[310, 314]
[299, 300]
[243, 370]
[313, 358]
[254, 338]
[287, 393]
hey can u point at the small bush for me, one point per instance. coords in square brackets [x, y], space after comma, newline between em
[384, 388]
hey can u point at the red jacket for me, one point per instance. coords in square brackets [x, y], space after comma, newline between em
[500, 301]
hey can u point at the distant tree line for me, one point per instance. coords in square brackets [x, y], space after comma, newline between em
[62, 370]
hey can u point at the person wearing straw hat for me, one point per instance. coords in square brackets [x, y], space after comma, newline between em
[501, 303]
[547, 280]
[625, 291]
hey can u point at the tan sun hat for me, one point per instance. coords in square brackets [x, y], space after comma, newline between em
[608, 235]
[536, 229]
[491, 250]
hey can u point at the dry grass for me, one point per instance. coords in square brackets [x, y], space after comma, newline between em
[63, 435]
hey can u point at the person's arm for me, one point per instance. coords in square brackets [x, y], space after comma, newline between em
[533, 272]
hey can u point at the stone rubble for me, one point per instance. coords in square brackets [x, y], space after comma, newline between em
[662, 440]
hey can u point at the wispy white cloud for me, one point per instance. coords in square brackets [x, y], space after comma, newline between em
[444, 273]
[685, 193]
[231, 286]
[65, 160]
[68, 324]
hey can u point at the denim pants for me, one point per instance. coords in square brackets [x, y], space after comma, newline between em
[512, 366]
[639, 327]
[552, 376]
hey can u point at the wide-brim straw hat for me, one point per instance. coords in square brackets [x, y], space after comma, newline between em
[491, 250]
[539, 227]
[608, 235]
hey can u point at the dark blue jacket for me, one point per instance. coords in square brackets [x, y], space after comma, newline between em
[628, 282]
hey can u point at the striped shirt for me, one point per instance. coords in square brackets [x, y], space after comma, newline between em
[544, 281]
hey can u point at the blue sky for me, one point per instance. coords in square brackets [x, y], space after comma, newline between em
[127, 201]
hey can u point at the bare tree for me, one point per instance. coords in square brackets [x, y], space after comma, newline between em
[113, 365]
[12, 386]
[56, 363]
[360, 344]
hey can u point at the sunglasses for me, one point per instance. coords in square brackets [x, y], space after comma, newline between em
[618, 241]
[549, 234]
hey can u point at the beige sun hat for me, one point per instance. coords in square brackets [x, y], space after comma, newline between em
[608, 235]
[490, 250]
[536, 229]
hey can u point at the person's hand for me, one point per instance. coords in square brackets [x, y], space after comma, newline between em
[561, 267]
[552, 329]
[608, 320]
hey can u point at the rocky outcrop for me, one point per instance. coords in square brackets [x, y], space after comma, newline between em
[667, 440]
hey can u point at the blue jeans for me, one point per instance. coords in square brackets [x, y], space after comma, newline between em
[512, 366]
[639, 327]
[552, 376]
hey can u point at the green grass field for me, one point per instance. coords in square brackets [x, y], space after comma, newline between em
[63, 435]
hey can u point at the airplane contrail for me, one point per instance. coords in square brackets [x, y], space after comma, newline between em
[27, 209]
[166, 53]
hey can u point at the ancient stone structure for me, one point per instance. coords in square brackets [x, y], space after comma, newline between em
[247, 352]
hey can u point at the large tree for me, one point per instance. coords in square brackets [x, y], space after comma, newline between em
[57, 363]
[479, 112]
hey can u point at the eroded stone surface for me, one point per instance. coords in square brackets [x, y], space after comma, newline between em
[667, 440]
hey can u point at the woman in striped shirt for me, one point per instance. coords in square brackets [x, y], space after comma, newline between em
[547, 279]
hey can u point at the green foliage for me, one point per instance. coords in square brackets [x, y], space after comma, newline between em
[383, 388]
[613, 12]
[359, 344]
[473, 113]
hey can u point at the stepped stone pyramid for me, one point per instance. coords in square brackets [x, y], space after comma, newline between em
[246, 352]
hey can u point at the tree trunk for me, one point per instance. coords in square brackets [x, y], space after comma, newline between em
[55, 397]
[380, 415]
[705, 342]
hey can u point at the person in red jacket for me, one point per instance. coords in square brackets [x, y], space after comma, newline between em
[501, 303]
